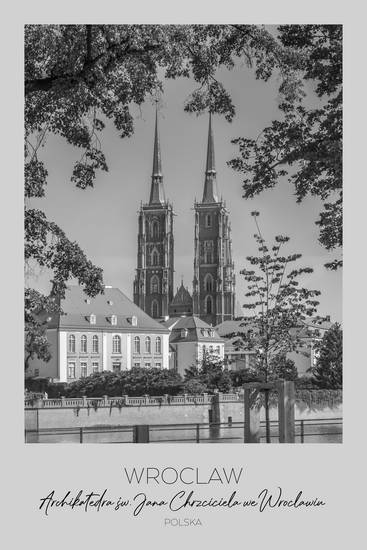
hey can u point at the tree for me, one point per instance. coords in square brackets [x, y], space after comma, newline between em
[210, 374]
[279, 304]
[282, 368]
[328, 372]
[76, 76]
[306, 144]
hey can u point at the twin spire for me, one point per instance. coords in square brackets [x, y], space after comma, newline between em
[210, 194]
[157, 190]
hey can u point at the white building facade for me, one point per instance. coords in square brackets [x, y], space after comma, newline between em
[105, 333]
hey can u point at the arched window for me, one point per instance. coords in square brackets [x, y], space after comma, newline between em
[155, 313]
[71, 343]
[137, 344]
[116, 344]
[155, 229]
[154, 285]
[95, 344]
[208, 256]
[154, 257]
[148, 346]
[158, 345]
[208, 304]
[208, 283]
[83, 344]
[208, 220]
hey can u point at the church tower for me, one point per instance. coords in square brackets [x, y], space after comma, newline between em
[214, 279]
[153, 285]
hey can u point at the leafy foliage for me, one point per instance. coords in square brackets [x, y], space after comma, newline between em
[76, 76]
[210, 374]
[134, 382]
[307, 141]
[280, 306]
[328, 372]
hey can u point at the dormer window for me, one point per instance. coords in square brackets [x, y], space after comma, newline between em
[92, 319]
[113, 319]
[184, 333]
[110, 302]
[134, 321]
[87, 301]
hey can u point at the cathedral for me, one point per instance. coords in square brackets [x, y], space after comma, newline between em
[213, 291]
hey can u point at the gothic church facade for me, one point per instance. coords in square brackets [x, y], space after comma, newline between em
[213, 295]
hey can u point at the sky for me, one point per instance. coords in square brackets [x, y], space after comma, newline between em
[103, 219]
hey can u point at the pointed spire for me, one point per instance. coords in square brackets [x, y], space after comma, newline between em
[157, 190]
[210, 188]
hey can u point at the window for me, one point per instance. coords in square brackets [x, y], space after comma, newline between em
[154, 309]
[116, 366]
[92, 319]
[71, 343]
[116, 344]
[183, 333]
[154, 258]
[158, 345]
[208, 220]
[148, 344]
[208, 282]
[134, 321]
[95, 344]
[113, 320]
[137, 364]
[155, 229]
[154, 285]
[83, 370]
[158, 365]
[210, 349]
[71, 370]
[148, 365]
[36, 372]
[137, 344]
[95, 366]
[218, 350]
[208, 305]
[83, 344]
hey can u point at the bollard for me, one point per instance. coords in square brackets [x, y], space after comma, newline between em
[286, 402]
[141, 434]
[251, 420]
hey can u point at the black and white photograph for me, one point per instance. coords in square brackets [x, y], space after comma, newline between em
[183, 274]
[183, 233]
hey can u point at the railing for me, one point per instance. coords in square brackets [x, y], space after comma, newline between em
[125, 400]
[307, 431]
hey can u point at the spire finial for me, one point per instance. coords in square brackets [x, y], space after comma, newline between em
[157, 190]
[210, 188]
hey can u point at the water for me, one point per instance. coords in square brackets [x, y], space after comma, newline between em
[321, 432]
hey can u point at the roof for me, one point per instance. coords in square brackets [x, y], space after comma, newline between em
[232, 327]
[210, 194]
[77, 307]
[196, 329]
[182, 296]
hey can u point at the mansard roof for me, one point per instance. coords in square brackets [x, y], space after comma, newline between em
[191, 329]
[77, 308]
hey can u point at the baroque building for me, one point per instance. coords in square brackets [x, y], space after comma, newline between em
[104, 333]
[214, 278]
[153, 285]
